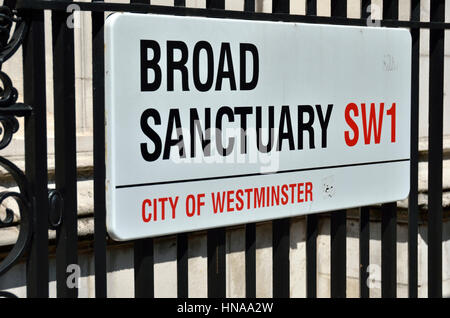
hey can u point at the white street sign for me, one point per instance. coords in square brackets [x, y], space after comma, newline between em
[219, 122]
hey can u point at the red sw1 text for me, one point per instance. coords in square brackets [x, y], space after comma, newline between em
[370, 119]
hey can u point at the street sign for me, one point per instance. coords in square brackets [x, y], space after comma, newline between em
[220, 122]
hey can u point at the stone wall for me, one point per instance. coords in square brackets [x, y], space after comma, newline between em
[121, 274]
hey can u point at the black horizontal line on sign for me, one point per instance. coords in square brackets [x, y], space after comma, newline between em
[258, 174]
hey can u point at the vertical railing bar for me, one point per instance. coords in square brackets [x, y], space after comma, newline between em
[311, 7]
[364, 248]
[413, 212]
[143, 269]
[250, 260]
[250, 229]
[280, 254]
[215, 4]
[249, 5]
[143, 254]
[435, 153]
[65, 149]
[182, 240]
[280, 228]
[98, 103]
[389, 250]
[338, 218]
[338, 254]
[216, 238]
[280, 6]
[364, 213]
[312, 221]
[216, 263]
[389, 212]
[36, 153]
[182, 265]
[365, 5]
[312, 224]
[338, 8]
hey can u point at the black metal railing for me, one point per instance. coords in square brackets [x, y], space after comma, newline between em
[34, 195]
[10, 109]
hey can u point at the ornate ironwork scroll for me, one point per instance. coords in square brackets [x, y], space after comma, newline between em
[9, 111]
